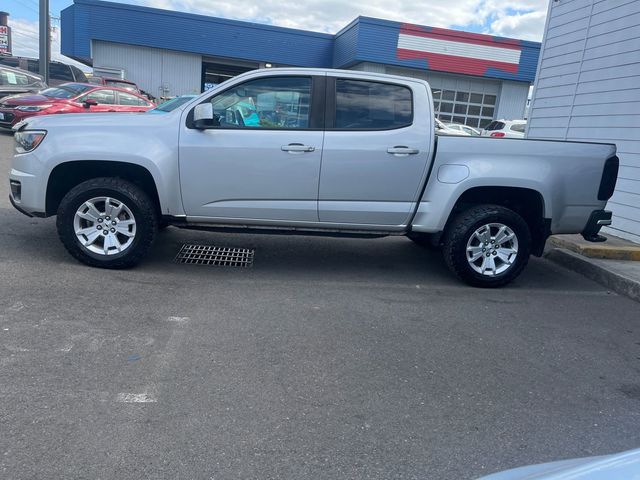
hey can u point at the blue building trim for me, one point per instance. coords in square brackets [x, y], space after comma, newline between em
[363, 40]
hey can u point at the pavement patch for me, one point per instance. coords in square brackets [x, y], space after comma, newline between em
[136, 398]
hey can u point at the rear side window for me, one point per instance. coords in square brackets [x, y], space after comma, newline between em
[364, 105]
[126, 99]
[14, 78]
[518, 127]
[495, 126]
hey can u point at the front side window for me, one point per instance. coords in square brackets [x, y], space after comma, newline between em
[278, 102]
[104, 97]
[364, 105]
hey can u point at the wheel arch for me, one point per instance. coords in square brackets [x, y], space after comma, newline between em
[526, 202]
[67, 175]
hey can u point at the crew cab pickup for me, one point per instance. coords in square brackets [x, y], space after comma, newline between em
[308, 151]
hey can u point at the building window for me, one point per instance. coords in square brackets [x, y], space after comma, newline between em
[467, 108]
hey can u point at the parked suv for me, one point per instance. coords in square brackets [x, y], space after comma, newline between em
[505, 128]
[14, 81]
[58, 72]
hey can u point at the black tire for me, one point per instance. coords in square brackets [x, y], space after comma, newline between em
[135, 199]
[462, 229]
[425, 240]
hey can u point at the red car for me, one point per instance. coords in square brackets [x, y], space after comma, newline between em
[70, 98]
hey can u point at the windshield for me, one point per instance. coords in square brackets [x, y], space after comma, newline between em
[174, 103]
[65, 91]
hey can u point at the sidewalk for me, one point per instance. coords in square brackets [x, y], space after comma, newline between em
[614, 263]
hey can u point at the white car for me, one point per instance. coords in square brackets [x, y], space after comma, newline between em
[442, 129]
[505, 129]
[474, 132]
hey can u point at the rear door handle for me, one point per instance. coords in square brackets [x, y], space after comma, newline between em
[402, 150]
[297, 148]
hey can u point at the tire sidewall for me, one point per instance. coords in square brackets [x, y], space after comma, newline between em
[521, 230]
[66, 221]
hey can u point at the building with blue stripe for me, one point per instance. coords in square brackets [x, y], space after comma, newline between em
[475, 78]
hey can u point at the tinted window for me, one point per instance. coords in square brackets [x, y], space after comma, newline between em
[60, 71]
[105, 97]
[279, 102]
[495, 126]
[518, 127]
[372, 105]
[127, 99]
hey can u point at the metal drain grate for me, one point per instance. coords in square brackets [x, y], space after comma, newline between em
[216, 256]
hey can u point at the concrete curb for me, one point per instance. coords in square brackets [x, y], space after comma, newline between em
[612, 280]
[613, 249]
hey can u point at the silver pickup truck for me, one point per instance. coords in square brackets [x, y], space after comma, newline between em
[308, 151]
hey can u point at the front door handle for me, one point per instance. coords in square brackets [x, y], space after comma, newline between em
[297, 148]
[402, 150]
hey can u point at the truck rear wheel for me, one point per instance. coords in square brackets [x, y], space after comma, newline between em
[487, 246]
[107, 222]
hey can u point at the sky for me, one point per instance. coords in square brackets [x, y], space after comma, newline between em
[522, 19]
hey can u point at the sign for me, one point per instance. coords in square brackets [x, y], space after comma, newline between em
[5, 35]
[458, 52]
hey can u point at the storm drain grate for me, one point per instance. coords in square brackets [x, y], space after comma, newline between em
[216, 256]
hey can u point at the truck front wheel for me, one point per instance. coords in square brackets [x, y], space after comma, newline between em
[487, 245]
[107, 222]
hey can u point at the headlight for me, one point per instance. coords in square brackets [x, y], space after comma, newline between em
[33, 108]
[28, 140]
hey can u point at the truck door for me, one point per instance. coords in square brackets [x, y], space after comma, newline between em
[262, 162]
[377, 149]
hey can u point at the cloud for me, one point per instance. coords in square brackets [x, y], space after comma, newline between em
[527, 26]
[510, 18]
[25, 34]
[516, 18]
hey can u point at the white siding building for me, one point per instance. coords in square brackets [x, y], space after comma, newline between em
[588, 88]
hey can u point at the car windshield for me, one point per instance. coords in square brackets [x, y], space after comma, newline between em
[65, 91]
[174, 103]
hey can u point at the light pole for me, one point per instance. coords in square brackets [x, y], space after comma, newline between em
[45, 40]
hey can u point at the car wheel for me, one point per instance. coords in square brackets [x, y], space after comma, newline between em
[107, 222]
[487, 246]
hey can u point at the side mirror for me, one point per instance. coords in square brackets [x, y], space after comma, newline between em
[89, 102]
[203, 117]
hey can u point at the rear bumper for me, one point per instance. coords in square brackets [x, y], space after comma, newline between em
[597, 220]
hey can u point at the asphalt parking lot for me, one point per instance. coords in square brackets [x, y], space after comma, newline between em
[329, 358]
